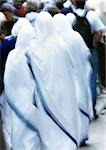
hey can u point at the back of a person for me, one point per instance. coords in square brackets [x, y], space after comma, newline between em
[7, 27]
[82, 26]
[7, 40]
[92, 17]
[38, 110]
[97, 28]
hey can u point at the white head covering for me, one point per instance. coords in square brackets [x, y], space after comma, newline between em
[21, 23]
[31, 16]
[44, 26]
[58, 19]
[24, 37]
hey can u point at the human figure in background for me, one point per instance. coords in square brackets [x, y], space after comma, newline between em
[97, 28]
[8, 10]
[2, 19]
[24, 32]
[7, 40]
[59, 3]
[51, 8]
[33, 7]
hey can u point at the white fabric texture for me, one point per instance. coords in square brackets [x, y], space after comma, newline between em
[79, 54]
[31, 16]
[6, 121]
[18, 87]
[21, 23]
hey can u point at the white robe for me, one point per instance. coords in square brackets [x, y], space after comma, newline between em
[79, 54]
[15, 87]
[53, 71]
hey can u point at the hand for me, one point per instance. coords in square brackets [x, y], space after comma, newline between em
[2, 37]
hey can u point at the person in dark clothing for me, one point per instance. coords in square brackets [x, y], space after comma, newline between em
[6, 43]
[74, 4]
[52, 9]
[60, 3]
[5, 47]
[7, 25]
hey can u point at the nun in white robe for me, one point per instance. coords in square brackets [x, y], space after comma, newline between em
[5, 110]
[80, 54]
[52, 70]
[13, 127]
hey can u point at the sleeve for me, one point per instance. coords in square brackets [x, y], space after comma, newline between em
[96, 22]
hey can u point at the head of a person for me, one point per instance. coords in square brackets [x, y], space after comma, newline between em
[24, 6]
[59, 3]
[22, 22]
[78, 3]
[32, 17]
[1, 2]
[33, 5]
[24, 36]
[8, 10]
[62, 24]
[44, 26]
[52, 9]
[18, 3]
